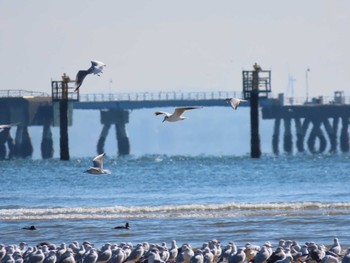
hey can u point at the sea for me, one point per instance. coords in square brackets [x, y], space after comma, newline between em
[189, 198]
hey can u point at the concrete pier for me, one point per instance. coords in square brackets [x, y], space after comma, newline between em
[276, 136]
[6, 139]
[47, 142]
[23, 146]
[102, 139]
[119, 118]
[344, 134]
[287, 136]
[316, 126]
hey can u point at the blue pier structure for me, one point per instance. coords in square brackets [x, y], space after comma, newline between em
[316, 127]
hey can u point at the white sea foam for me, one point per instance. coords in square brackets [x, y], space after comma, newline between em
[194, 210]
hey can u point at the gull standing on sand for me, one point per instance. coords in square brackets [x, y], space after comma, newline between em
[98, 166]
[177, 115]
[96, 68]
[235, 102]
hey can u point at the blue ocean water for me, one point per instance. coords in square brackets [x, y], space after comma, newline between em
[188, 198]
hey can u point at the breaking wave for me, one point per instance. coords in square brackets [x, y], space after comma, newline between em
[183, 211]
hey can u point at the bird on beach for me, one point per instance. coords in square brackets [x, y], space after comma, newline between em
[98, 166]
[96, 68]
[177, 115]
[235, 102]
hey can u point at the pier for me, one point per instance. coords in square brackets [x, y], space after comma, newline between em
[317, 127]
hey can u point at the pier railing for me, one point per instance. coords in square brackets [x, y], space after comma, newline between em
[172, 95]
[316, 100]
[151, 96]
[15, 93]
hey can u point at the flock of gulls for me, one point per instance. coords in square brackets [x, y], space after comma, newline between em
[96, 68]
[212, 251]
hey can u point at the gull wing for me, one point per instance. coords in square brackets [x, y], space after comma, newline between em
[235, 102]
[98, 161]
[162, 112]
[80, 77]
[96, 63]
[178, 111]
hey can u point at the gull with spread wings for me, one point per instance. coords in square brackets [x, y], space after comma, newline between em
[96, 68]
[177, 115]
[235, 102]
[98, 166]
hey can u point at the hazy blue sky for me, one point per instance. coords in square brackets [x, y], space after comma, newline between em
[163, 45]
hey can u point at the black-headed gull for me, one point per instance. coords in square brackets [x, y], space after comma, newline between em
[96, 68]
[235, 102]
[98, 166]
[177, 115]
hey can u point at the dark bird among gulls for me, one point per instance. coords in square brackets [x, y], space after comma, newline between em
[30, 228]
[126, 226]
[96, 68]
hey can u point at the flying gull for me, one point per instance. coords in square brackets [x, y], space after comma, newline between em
[235, 102]
[96, 68]
[98, 166]
[177, 115]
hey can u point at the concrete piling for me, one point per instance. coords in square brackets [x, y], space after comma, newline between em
[275, 136]
[287, 139]
[119, 118]
[47, 142]
[102, 138]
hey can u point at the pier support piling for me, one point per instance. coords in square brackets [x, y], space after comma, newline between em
[275, 136]
[119, 118]
[64, 148]
[315, 133]
[122, 138]
[287, 142]
[102, 139]
[300, 134]
[331, 134]
[47, 142]
[3, 139]
[254, 122]
[23, 146]
[344, 135]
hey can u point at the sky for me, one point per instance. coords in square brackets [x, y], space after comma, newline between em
[182, 45]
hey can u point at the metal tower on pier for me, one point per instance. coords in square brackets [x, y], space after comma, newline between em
[256, 84]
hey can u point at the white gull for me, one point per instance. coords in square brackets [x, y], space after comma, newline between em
[177, 115]
[96, 68]
[98, 166]
[235, 102]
